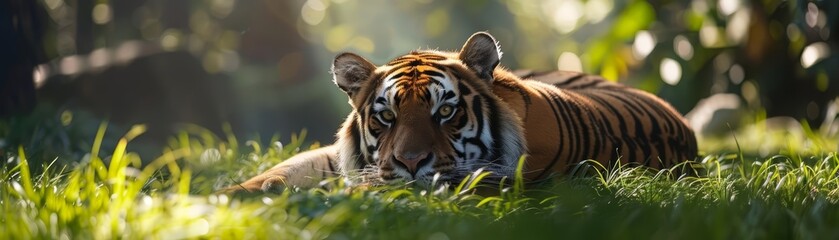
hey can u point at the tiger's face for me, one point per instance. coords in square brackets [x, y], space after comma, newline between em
[427, 116]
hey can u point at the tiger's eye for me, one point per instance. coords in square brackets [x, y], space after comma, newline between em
[387, 115]
[445, 110]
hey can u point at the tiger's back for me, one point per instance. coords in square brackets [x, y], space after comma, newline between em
[593, 119]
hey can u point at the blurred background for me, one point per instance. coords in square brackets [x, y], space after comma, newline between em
[260, 68]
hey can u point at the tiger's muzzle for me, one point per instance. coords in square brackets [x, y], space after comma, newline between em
[412, 161]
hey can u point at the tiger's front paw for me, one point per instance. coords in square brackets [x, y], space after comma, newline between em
[270, 184]
[276, 184]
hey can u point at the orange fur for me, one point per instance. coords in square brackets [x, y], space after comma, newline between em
[558, 119]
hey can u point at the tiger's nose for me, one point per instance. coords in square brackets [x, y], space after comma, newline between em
[411, 160]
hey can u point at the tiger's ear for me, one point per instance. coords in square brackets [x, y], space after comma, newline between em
[481, 54]
[350, 71]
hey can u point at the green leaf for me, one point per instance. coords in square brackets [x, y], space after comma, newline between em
[636, 17]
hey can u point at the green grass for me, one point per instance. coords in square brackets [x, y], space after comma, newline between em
[108, 194]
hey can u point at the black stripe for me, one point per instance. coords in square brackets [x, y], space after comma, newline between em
[398, 75]
[435, 57]
[641, 139]
[495, 131]
[433, 73]
[585, 152]
[607, 119]
[356, 140]
[434, 81]
[559, 148]
[657, 136]
[569, 80]
[672, 123]
[448, 95]
[464, 90]
[594, 127]
[587, 85]
[477, 109]
[397, 98]
[401, 59]
[615, 116]
[572, 127]
[516, 88]
[463, 120]
[652, 135]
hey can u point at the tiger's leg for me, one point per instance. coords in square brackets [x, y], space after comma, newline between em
[304, 170]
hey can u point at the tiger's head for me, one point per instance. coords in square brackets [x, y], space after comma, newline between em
[427, 116]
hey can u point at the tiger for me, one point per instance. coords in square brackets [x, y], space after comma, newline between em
[432, 117]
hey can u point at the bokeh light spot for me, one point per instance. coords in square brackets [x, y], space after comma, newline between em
[66, 118]
[736, 74]
[793, 33]
[199, 22]
[198, 227]
[683, 48]
[101, 13]
[128, 51]
[364, 44]
[569, 61]
[738, 26]
[597, 10]
[221, 8]
[99, 58]
[39, 75]
[699, 6]
[566, 13]
[671, 71]
[709, 35]
[71, 65]
[727, 7]
[211, 62]
[814, 53]
[812, 15]
[313, 12]
[171, 39]
[722, 62]
[53, 4]
[749, 92]
[644, 44]
[337, 37]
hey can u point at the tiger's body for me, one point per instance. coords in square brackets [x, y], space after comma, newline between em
[439, 116]
[599, 120]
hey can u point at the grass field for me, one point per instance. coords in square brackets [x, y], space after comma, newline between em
[793, 192]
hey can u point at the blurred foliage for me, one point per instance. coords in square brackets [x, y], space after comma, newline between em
[775, 54]
[777, 57]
